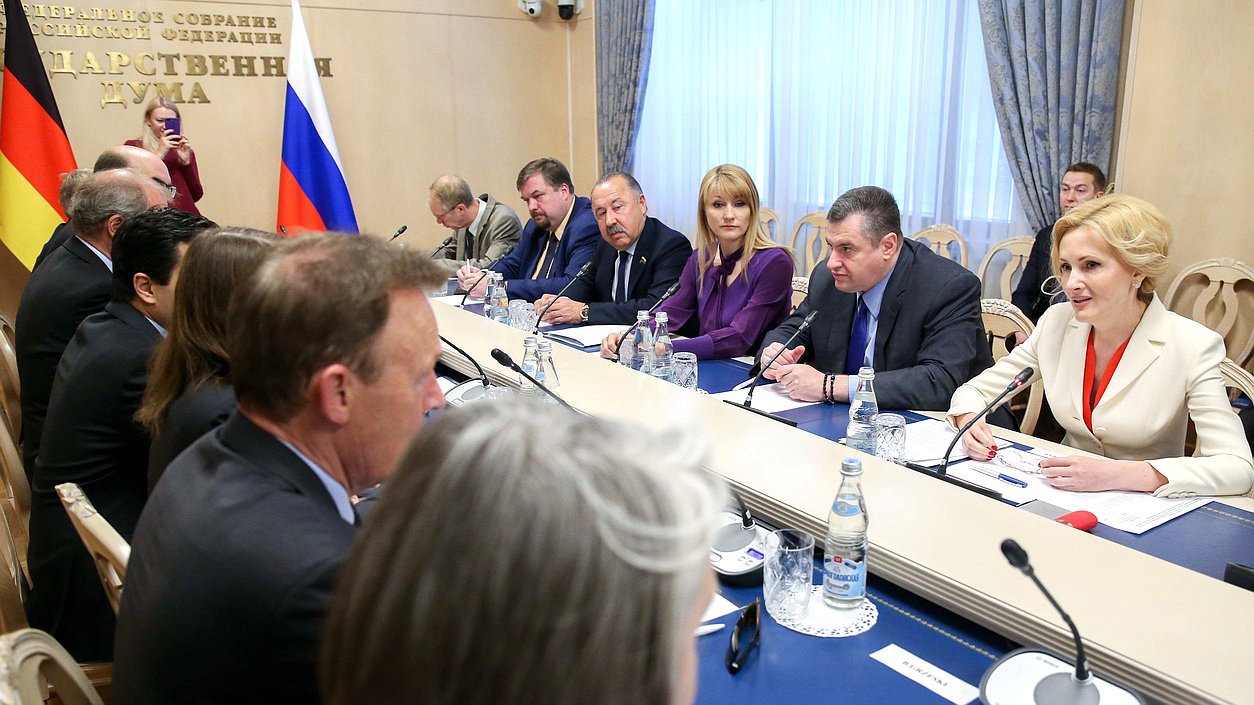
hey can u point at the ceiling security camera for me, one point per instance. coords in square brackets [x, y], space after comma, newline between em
[567, 9]
[531, 8]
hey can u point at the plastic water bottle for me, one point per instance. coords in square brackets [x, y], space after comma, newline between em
[663, 351]
[546, 373]
[636, 350]
[489, 294]
[500, 302]
[844, 550]
[530, 365]
[862, 411]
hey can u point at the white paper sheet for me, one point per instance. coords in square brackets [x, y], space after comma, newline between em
[719, 606]
[455, 299]
[771, 398]
[926, 441]
[584, 336]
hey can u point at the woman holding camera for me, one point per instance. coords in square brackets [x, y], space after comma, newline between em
[163, 136]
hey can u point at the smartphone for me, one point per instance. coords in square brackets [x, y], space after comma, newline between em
[175, 125]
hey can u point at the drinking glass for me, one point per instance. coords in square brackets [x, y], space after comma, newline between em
[890, 437]
[788, 572]
[684, 370]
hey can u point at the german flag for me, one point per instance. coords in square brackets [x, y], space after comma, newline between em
[34, 150]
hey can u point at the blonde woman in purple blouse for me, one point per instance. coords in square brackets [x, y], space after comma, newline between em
[737, 285]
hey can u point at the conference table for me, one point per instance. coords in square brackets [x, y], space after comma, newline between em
[1164, 625]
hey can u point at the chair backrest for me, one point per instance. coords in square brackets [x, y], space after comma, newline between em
[15, 495]
[109, 551]
[770, 221]
[807, 243]
[939, 237]
[30, 660]
[1018, 249]
[1237, 377]
[13, 583]
[1224, 284]
[10, 387]
[6, 328]
[800, 289]
[1002, 320]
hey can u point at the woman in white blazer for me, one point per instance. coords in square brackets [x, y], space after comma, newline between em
[1122, 374]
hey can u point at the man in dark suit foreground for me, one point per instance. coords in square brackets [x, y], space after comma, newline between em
[886, 302]
[635, 262]
[333, 348]
[70, 285]
[90, 436]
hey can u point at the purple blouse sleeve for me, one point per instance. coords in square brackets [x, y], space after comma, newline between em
[769, 298]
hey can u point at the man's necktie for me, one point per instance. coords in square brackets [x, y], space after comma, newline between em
[546, 257]
[620, 295]
[856, 355]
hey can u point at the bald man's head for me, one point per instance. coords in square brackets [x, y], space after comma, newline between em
[137, 158]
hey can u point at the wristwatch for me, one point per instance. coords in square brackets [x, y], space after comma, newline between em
[583, 314]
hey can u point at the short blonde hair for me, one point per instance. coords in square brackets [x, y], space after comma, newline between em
[451, 191]
[1137, 232]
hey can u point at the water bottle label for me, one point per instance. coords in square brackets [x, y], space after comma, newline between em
[844, 577]
[846, 509]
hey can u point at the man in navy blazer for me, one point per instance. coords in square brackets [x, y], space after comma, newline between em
[70, 285]
[90, 436]
[921, 330]
[333, 348]
[635, 262]
[554, 245]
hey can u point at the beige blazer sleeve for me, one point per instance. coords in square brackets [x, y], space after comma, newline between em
[1169, 374]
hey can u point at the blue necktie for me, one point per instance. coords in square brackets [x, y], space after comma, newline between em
[620, 295]
[855, 356]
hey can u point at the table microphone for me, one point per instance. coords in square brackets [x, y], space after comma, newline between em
[748, 402]
[487, 269]
[283, 230]
[1029, 675]
[1020, 379]
[471, 392]
[403, 228]
[582, 271]
[669, 293]
[447, 241]
[506, 361]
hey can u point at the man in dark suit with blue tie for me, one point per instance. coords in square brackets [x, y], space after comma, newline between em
[333, 348]
[90, 436]
[557, 242]
[886, 302]
[636, 261]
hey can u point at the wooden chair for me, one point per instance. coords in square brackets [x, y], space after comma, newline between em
[800, 289]
[10, 387]
[1237, 377]
[1225, 282]
[770, 221]
[30, 660]
[1019, 249]
[109, 551]
[940, 237]
[6, 327]
[16, 498]
[808, 248]
[1002, 320]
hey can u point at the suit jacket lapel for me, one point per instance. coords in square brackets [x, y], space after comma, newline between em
[644, 253]
[270, 455]
[1074, 348]
[838, 334]
[83, 252]
[1143, 349]
[890, 305]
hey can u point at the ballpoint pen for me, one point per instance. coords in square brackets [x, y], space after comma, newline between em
[706, 629]
[1000, 476]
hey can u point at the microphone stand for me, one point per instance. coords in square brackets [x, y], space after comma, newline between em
[669, 293]
[473, 392]
[502, 357]
[1024, 375]
[487, 269]
[748, 402]
[447, 241]
[402, 229]
[540, 317]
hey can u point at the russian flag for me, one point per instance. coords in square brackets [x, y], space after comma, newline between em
[313, 194]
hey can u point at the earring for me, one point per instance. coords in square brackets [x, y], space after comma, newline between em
[1137, 284]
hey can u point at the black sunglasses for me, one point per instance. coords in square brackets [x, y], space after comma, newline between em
[750, 618]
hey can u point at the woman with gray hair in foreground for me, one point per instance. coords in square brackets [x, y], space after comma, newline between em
[501, 570]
